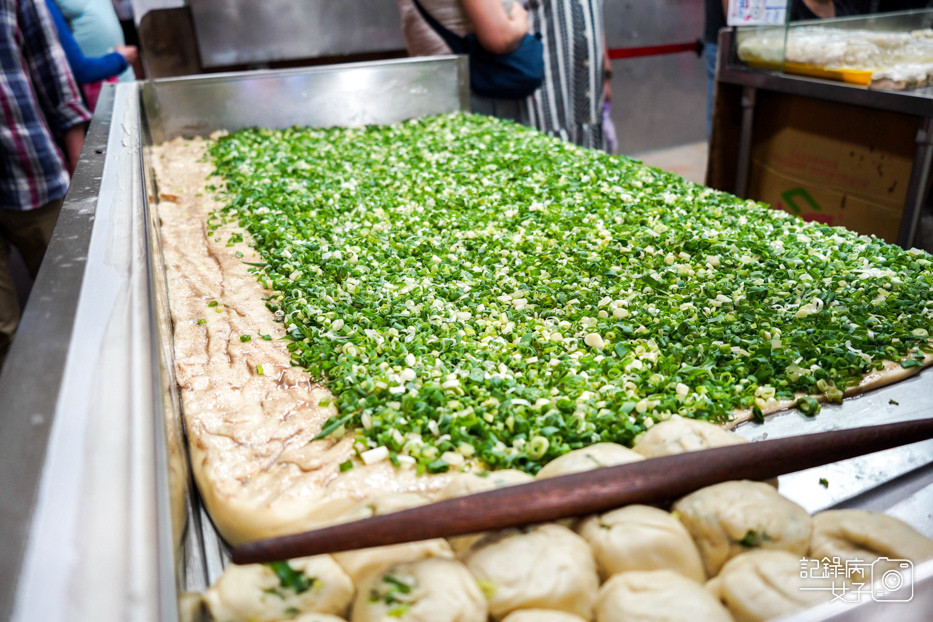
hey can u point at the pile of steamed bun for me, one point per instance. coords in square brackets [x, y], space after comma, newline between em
[731, 551]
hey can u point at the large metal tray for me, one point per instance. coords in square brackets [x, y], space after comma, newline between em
[102, 521]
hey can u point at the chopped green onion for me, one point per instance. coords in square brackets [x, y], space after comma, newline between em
[461, 281]
[753, 539]
[295, 580]
[808, 406]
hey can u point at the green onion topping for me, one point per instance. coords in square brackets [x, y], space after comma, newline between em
[290, 578]
[460, 281]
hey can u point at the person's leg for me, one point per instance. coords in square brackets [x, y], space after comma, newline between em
[30, 232]
[710, 52]
[9, 305]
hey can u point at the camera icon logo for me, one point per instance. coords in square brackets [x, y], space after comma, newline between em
[892, 580]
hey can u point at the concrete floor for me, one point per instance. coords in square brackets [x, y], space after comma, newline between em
[688, 161]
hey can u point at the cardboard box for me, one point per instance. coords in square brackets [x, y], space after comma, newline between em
[839, 164]
[826, 205]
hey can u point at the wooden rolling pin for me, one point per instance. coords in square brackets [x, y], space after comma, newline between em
[589, 492]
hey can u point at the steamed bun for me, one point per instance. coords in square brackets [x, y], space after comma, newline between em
[362, 562]
[546, 567]
[639, 537]
[428, 590]
[656, 596]
[761, 585]
[678, 435]
[255, 592]
[589, 458]
[541, 615]
[734, 517]
[857, 534]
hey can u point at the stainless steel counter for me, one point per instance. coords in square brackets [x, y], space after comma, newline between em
[234, 32]
[99, 521]
[82, 524]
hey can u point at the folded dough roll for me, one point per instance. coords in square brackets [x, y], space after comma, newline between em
[358, 564]
[678, 435]
[541, 615]
[428, 590]
[546, 567]
[761, 585]
[639, 537]
[260, 593]
[589, 458]
[656, 596]
[868, 537]
[731, 518]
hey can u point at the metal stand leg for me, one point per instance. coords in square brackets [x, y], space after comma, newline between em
[919, 179]
[745, 141]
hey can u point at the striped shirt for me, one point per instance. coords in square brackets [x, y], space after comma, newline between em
[38, 101]
[569, 104]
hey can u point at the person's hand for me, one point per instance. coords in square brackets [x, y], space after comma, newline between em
[129, 52]
[519, 17]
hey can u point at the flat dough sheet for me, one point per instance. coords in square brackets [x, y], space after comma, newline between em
[250, 434]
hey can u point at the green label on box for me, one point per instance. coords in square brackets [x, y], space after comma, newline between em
[791, 196]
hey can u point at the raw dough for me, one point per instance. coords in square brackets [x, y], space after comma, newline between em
[541, 615]
[254, 593]
[361, 563]
[761, 585]
[734, 517]
[588, 458]
[656, 596]
[429, 590]
[547, 567]
[867, 536]
[639, 537]
[678, 435]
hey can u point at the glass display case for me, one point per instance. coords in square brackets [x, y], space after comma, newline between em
[842, 108]
[891, 51]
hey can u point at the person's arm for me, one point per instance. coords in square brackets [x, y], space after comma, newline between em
[73, 140]
[498, 32]
[48, 70]
[86, 70]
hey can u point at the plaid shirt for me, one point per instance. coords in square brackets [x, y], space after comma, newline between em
[38, 102]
